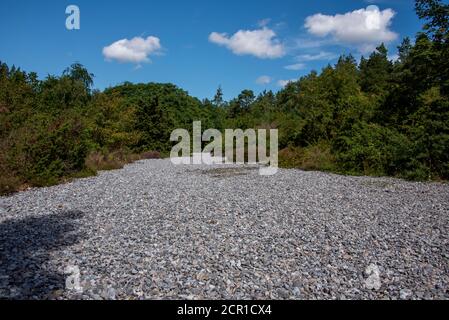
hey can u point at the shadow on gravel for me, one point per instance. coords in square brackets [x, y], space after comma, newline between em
[25, 248]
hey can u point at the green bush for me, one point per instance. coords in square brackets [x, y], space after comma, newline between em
[46, 149]
[371, 149]
[315, 157]
[376, 117]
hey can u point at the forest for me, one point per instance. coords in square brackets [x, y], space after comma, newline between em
[370, 117]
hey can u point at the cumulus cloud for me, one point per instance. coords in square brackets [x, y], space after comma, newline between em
[364, 27]
[283, 83]
[263, 80]
[136, 50]
[261, 43]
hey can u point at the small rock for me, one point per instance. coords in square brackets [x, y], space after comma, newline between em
[405, 294]
[373, 281]
[284, 294]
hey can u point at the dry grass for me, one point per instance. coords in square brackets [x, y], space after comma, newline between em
[317, 157]
[11, 182]
[98, 161]
[151, 155]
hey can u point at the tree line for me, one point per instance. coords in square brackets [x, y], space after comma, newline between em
[373, 117]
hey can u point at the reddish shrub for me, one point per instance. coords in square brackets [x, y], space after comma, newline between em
[151, 155]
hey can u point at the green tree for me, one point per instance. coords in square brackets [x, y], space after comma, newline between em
[218, 98]
[375, 72]
[77, 72]
[436, 15]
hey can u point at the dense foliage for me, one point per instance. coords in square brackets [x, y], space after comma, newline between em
[376, 117]
[59, 128]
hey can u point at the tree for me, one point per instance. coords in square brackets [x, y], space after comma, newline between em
[437, 16]
[404, 50]
[77, 72]
[218, 98]
[245, 99]
[375, 71]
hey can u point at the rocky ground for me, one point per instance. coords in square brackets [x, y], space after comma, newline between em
[154, 230]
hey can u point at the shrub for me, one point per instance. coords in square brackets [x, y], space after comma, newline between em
[9, 184]
[371, 149]
[9, 181]
[101, 160]
[151, 155]
[316, 157]
[46, 149]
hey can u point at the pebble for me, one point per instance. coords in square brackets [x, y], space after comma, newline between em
[153, 230]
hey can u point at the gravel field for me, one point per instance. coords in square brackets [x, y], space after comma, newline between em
[154, 230]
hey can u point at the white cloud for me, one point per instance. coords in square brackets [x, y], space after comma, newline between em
[264, 22]
[263, 80]
[393, 57]
[323, 55]
[300, 65]
[296, 66]
[283, 83]
[261, 43]
[364, 28]
[136, 50]
[307, 43]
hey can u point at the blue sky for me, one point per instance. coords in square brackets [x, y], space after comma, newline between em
[199, 44]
